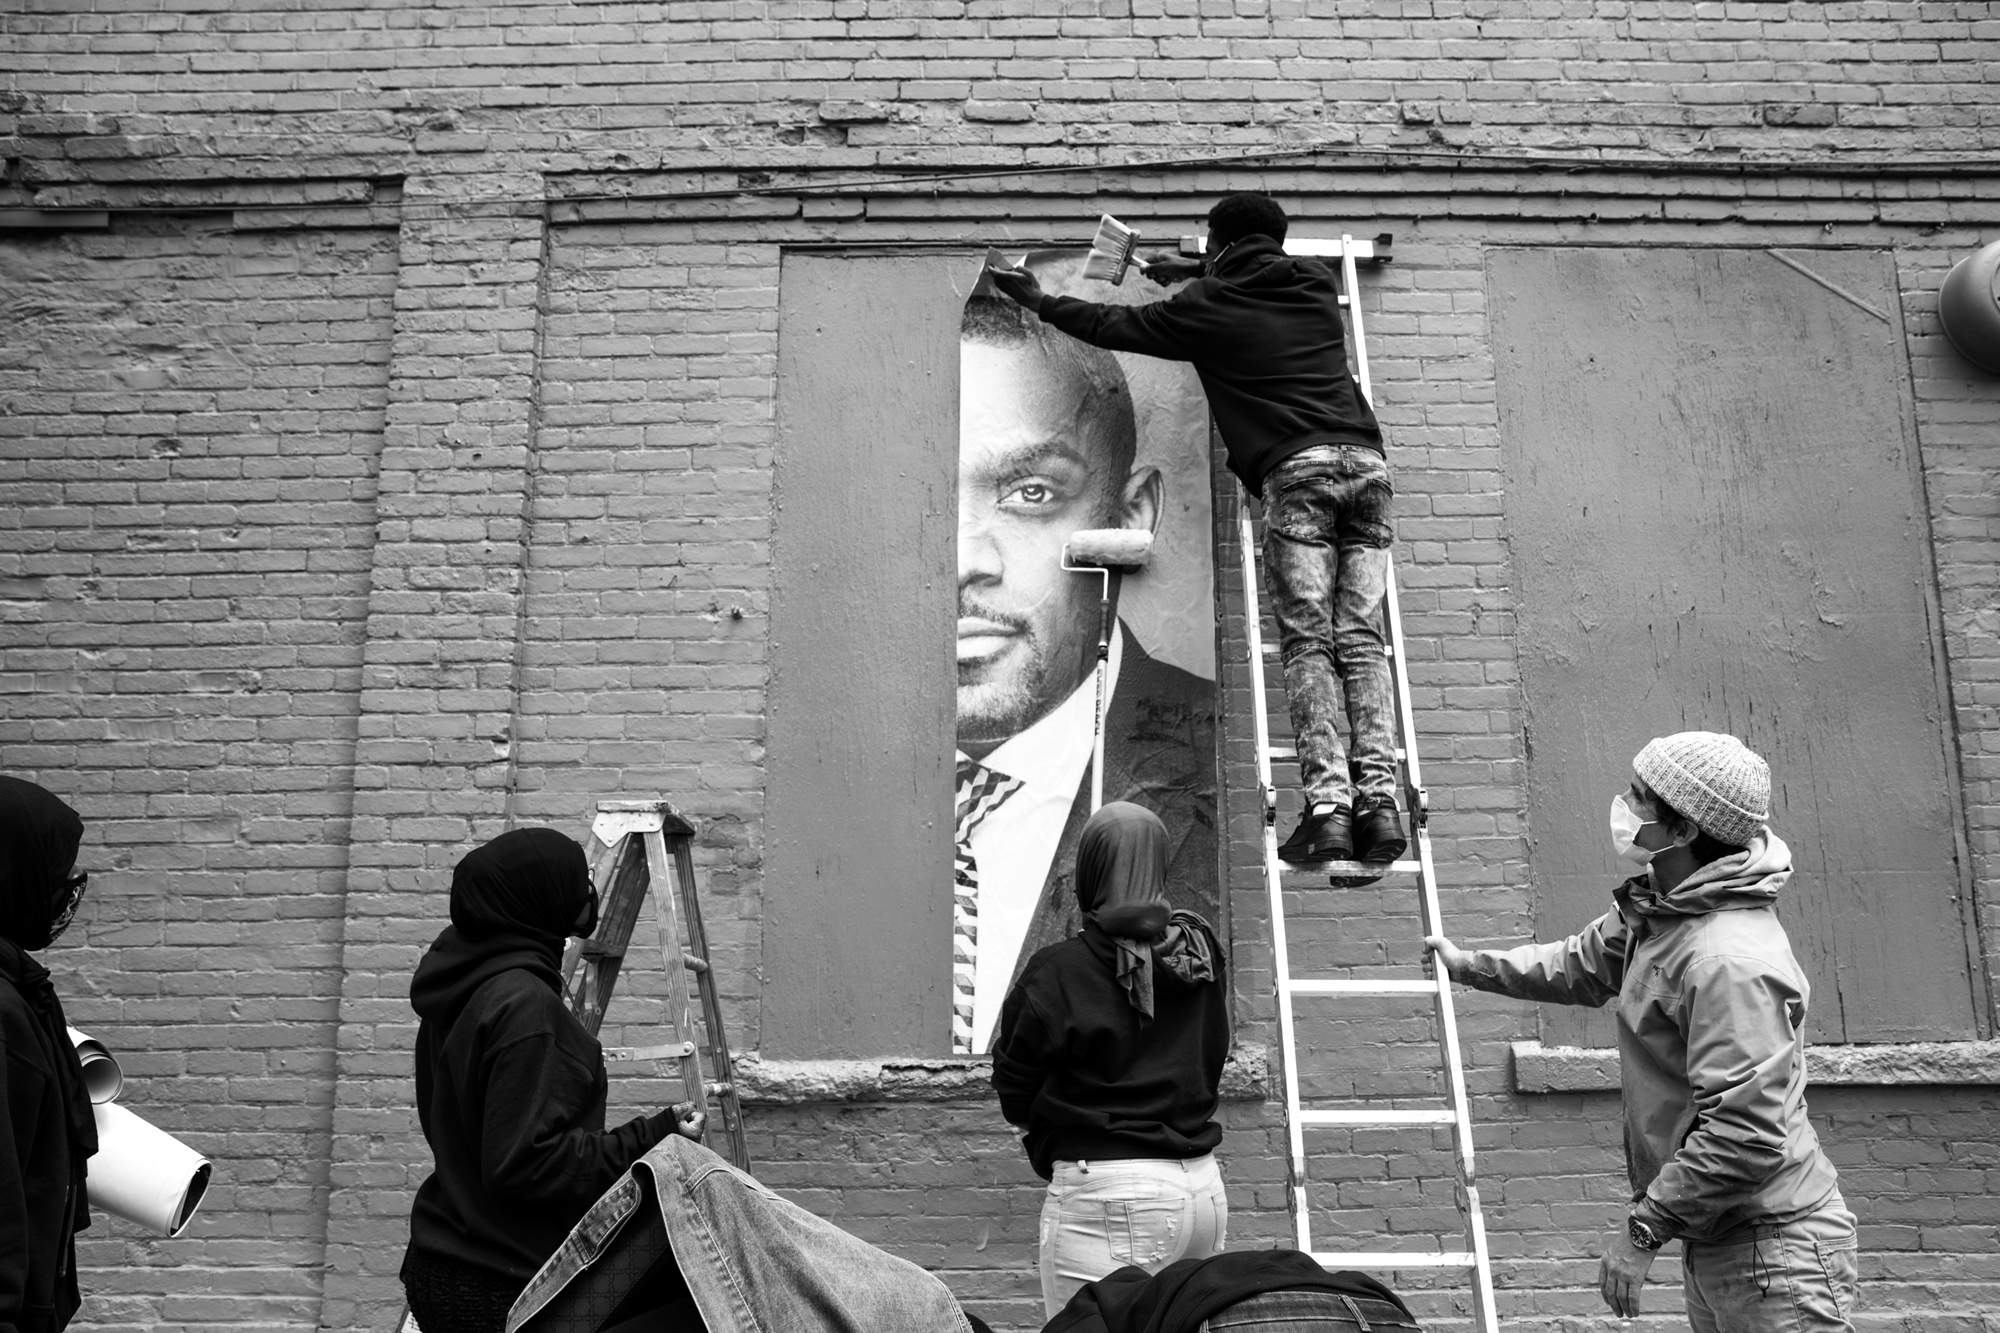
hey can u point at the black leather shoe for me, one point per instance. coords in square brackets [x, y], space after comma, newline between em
[1378, 835]
[1320, 837]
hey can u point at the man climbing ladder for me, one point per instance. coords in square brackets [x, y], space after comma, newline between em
[1264, 332]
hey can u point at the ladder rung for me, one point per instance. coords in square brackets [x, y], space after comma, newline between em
[1364, 986]
[1356, 1119]
[693, 963]
[1393, 1259]
[1356, 869]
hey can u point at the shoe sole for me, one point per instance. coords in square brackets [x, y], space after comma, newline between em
[1316, 856]
[1385, 853]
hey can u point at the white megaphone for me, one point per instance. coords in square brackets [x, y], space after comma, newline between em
[139, 1173]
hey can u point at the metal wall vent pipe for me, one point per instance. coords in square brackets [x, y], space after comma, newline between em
[1969, 307]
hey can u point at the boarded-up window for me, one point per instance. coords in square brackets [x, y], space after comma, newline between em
[863, 618]
[1716, 522]
[934, 665]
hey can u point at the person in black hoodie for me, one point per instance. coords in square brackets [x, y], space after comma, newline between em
[1109, 1054]
[510, 1088]
[48, 1132]
[1259, 1291]
[1264, 333]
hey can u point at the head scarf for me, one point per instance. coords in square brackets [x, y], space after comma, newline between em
[1121, 888]
[39, 836]
[532, 882]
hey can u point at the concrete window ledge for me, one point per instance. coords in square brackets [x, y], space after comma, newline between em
[762, 1082]
[1539, 1068]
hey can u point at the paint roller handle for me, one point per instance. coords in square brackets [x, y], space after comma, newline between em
[1109, 548]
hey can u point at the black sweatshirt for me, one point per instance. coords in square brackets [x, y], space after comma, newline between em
[1184, 1293]
[1264, 333]
[41, 1173]
[1074, 1067]
[511, 1092]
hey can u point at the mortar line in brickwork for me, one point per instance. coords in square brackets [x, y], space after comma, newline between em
[1395, 159]
[531, 463]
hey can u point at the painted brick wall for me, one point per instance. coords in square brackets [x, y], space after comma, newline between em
[191, 417]
[109, 90]
[373, 538]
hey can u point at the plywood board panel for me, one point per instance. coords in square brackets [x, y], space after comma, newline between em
[1715, 523]
[859, 813]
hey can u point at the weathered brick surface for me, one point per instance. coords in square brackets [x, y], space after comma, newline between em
[438, 685]
[333, 548]
[102, 90]
[191, 418]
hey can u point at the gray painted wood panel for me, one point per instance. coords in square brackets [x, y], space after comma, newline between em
[1715, 522]
[858, 815]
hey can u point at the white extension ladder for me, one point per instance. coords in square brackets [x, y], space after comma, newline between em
[1299, 1119]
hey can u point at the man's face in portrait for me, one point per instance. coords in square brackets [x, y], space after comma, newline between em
[1045, 450]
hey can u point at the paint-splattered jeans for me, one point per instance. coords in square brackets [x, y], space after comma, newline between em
[1326, 562]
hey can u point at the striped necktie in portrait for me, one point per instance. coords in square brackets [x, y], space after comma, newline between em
[980, 792]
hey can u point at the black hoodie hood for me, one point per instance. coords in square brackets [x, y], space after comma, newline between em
[513, 901]
[39, 836]
[1256, 261]
[454, 967]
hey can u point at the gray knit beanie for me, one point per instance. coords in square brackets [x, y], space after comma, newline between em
[1715, 780]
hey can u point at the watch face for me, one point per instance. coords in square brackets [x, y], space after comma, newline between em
[1642, 1235]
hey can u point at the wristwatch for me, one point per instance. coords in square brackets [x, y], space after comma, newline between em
[1642, 1235]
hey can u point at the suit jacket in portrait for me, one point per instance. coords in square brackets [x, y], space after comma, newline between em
[1159, 752]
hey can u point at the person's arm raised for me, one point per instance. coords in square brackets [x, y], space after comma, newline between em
[1585, 969]
[1168, 269]
[1154, 329]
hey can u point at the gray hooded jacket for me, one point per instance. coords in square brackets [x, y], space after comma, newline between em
[1711, 1041]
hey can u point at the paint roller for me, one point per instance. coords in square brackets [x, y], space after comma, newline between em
[1110, 553]
[142, 1174]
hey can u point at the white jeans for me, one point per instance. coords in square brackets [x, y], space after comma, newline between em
[1101, 1216]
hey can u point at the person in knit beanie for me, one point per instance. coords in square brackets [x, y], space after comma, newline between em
[1711, 1007]
[1716, 782]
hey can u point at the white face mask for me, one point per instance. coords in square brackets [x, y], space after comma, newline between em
[1625, 826]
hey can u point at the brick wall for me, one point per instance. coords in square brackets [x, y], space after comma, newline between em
[111, 91]
[191, 417]
[367, 504]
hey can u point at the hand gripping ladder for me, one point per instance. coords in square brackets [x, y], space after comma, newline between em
[634, 843]
[1299, 1119]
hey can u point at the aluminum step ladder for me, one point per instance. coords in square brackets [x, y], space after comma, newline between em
[1281, 879]
[632, 845]
[638, 844]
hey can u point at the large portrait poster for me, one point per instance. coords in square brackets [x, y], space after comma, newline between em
[1056, 437]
